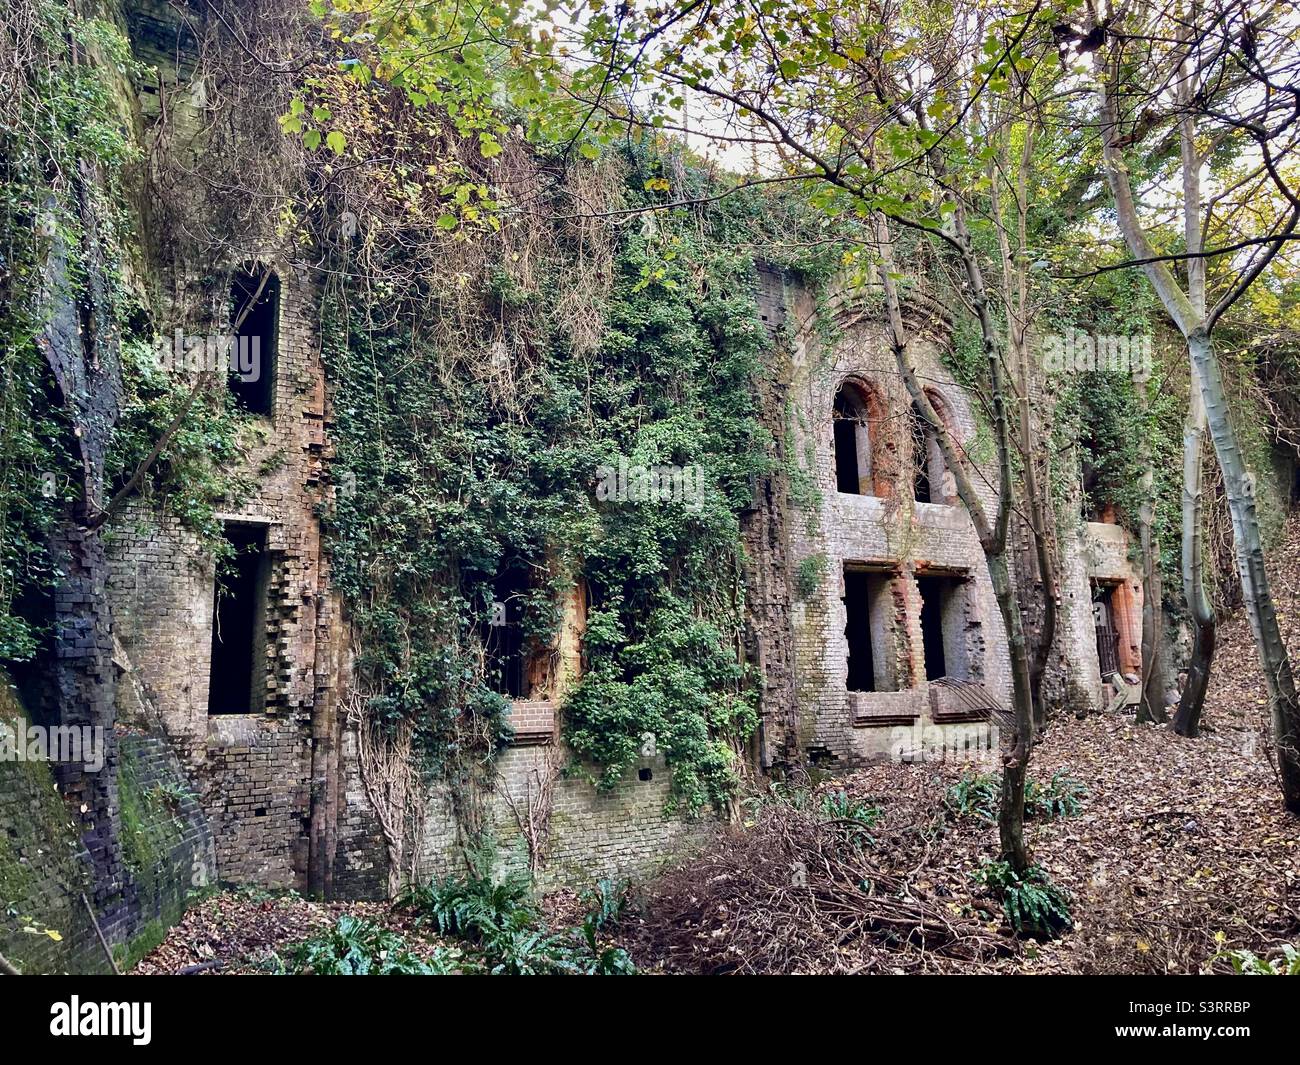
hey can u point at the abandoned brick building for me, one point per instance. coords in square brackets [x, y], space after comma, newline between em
[231, 684]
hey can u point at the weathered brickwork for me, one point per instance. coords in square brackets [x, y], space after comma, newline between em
[48, 876]
[765, 529]
[255, 770]
[591, 834]
[888, 533]
[1100, 555]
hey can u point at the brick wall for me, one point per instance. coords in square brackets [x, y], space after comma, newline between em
[45, 867]
[255, 770]
[1099, 552]
[622, 833]
[889, 530]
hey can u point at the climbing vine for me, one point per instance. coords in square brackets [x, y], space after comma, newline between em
[64, 151]
[470, 435]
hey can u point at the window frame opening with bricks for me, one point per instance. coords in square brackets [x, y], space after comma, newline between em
[255, 295]
[237, 669]
[871, 607]
[863, 453]
[944, 624]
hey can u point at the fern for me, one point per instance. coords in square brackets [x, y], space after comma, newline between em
[1245, 963]
[1033, 905]
[356, 947]
[980, 794]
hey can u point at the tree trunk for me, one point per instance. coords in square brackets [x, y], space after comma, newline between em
[1152, 706]
[1015, 762]
[1187, 721]
[1239, 485]
[992, 535]
[1188, 314]
[1039, 523]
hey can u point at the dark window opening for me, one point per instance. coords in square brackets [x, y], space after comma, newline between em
[857, 605]
[869, 629]
[846, 457]
[921, 437]
[853, 441]
[506, 669]
[1103, 612]
[237, 678]
[933, 594]
[253, 357]
[645, 774]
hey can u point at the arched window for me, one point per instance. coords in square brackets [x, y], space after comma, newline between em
[932, 481]
[856, 420]
[255, 323]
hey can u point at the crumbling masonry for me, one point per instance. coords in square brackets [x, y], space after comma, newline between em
[867, 592]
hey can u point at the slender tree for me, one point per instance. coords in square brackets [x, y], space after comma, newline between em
[1225, 72]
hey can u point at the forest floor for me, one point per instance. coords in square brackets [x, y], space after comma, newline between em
[1180, 850]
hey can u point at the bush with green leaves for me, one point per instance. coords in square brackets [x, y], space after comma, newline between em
[357, 947]
[1033, 905]
[975, 794]
[851, 818]
[1062, 796]
[1246, 963]
[499, 919]
[978, 794]
[839, 806]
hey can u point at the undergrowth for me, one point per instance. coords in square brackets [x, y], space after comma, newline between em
[499, 920]
[357, 947]
[1033, 905]
[978, 795]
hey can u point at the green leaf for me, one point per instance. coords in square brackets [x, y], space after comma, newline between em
[336, 141]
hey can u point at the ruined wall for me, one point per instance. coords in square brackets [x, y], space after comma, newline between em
[765, 528]
[47, 874]
[254, 769]
[281, 786]
[888, 532]
[1099, 554]
[589, 834]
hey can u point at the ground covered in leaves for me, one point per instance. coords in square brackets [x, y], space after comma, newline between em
[1180, 850]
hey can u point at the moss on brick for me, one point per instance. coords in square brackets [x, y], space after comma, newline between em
[150, 828]
[128, 955]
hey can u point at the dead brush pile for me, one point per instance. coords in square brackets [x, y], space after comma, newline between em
[804, 888]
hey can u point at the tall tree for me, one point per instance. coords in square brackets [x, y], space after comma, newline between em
[1225, 72]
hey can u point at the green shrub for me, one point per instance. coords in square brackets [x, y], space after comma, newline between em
[1245, 963]
[851, 817]
[1032, 903]
[499, 918]
[838, 805]
[472, 906]
[357, 947]
[1060, 797]
[979, 794]
[975, 794]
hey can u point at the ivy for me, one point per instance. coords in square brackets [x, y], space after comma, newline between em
[450, 481]
[69, 117]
